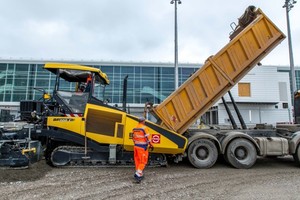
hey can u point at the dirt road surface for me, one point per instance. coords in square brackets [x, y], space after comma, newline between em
[268, 179]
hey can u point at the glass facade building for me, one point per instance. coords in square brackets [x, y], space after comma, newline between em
[146, 81]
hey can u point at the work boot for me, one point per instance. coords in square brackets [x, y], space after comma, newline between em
[137, 178]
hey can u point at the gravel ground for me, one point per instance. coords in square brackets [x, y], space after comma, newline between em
[268, 179]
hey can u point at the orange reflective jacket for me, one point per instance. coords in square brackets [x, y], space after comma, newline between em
[140, 135]
[89, 79]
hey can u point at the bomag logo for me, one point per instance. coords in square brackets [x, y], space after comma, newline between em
[63, 119]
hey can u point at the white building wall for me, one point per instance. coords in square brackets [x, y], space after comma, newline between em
[13, 108]
[265, 105]
[255, 114]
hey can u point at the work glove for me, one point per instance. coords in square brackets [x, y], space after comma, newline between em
[151, 148]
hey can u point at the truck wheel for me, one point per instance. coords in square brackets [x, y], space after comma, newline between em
[202, 153]
[297, 155]
[241, 153]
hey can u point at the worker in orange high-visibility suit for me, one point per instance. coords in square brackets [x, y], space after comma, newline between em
[141, 142]
[88, 83]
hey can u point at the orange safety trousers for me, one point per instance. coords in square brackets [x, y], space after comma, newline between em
[140, 159]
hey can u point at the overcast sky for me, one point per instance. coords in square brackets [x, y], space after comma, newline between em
[132, 30]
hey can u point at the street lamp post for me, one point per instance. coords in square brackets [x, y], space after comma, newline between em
[288, 5]
[176, 43]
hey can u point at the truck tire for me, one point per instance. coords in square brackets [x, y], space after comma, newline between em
[241, 153]
[202, 153]
[296, 155]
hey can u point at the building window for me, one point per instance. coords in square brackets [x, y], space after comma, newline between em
[244, 89]
[283, 91]
[285, 105]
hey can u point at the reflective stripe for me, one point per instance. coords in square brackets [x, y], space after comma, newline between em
[139, 142]
[139, 173]
[139, 136]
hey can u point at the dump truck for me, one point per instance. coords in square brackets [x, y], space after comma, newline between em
[251, 41]
[77, 127]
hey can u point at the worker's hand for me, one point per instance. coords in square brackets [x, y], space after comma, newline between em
[151, 148]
